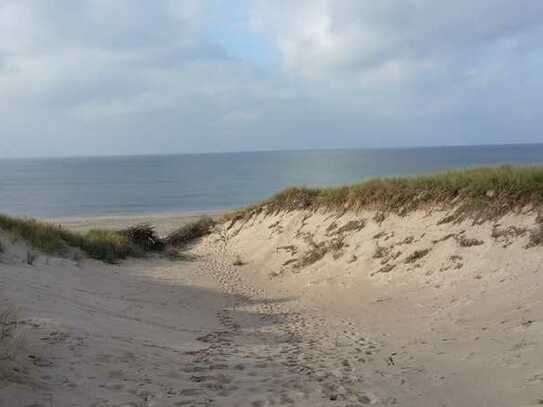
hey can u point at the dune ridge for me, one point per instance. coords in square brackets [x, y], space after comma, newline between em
[453, 305]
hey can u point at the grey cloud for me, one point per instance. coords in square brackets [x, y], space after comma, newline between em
[134, 76]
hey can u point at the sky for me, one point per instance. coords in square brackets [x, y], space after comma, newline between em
[108, 77]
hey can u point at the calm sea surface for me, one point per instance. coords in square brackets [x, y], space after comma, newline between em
[178, 183]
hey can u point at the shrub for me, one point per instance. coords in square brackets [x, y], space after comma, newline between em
[144, 236]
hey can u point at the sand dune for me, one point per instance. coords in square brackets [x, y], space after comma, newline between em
[295, 308]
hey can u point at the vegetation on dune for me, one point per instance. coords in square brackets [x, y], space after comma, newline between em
[48, 238]
[54, 240]
[189, 232]
[144, 236]
[479, 193]
[109, 246]
[104, 245]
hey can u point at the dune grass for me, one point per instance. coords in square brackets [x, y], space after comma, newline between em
[189, 232]
[480, 193]
[103, 245]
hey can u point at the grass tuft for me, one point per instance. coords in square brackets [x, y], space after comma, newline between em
[416, 255]
[536, 237]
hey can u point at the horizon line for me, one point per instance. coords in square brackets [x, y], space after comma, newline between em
[44, 157]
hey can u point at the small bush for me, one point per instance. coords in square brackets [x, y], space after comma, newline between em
[189, 232]
[144, 236]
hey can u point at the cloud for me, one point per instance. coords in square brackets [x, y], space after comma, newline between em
[133, 76]
[400, 38]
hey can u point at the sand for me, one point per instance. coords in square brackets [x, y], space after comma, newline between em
[163, 222]
[325, 309]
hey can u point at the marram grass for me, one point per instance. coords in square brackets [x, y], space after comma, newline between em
[54, 240]
[105, 245]
[480, 193]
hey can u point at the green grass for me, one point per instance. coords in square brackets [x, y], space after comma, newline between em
[104, 245]
[109, 246]
[189, 232]
[481, 193]
[54, 240]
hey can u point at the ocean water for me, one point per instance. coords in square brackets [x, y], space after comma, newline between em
[56, 187]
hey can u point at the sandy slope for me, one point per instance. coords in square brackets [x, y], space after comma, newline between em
[459, 326]
[106, 335]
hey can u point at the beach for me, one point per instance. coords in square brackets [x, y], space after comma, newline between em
[241, 325]
[271, 203]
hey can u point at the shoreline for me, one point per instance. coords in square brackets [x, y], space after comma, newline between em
[163, 222]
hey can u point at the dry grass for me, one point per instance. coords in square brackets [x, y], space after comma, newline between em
[379, 217]
[468, 242]
[536, 237]
[508, 232]
[481, 193]
[385, 269]
[352, 226]
[416, 255]
[318, 250]
[380, 252]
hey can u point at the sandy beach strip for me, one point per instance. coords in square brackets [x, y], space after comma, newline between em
[164, 223]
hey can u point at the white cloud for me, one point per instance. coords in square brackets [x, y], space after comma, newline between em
[327, 37]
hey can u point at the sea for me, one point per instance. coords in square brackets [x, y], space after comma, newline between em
[126, 185]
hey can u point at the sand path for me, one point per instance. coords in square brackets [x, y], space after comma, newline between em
[157, 332]
[163, 333]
